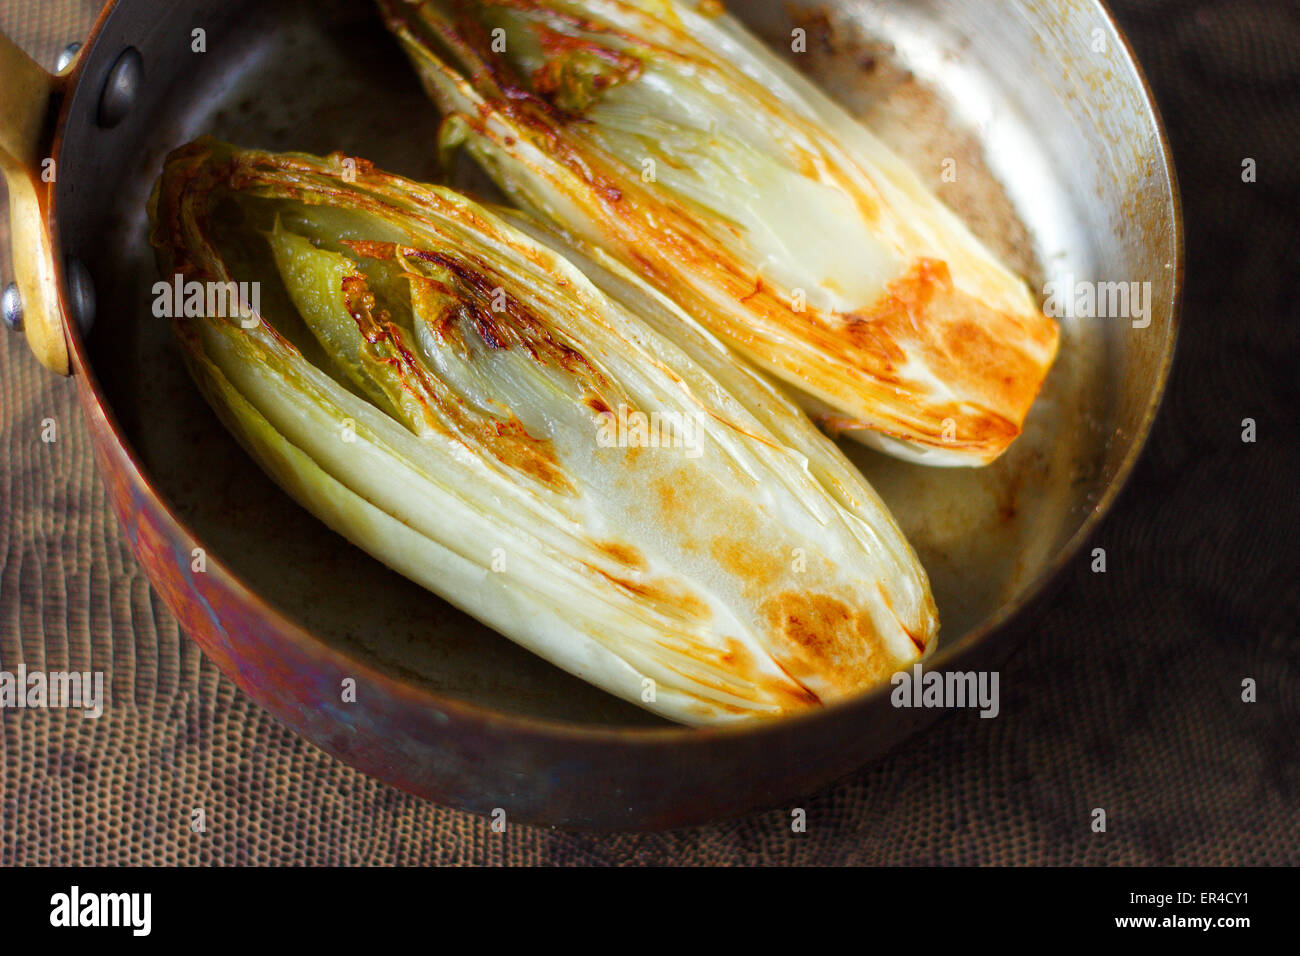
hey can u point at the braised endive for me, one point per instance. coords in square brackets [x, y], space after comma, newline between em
[585, 470]
[663, 132]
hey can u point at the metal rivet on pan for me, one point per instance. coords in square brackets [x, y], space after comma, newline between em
[66, 56]
[81, 293]
[12, 303]
[125, 80]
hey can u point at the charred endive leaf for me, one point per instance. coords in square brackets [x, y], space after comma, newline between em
[586, 471]
[666, 134]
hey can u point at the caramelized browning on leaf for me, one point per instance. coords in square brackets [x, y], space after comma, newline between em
[507, 439]
[827, 642]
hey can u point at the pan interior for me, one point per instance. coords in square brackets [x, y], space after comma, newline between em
[325, 76]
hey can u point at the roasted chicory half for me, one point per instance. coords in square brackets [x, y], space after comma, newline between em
[665, 133]
[586, 471]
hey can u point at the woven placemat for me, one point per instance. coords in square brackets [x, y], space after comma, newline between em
[1127, 698]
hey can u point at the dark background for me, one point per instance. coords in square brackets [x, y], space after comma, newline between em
[1127, 696]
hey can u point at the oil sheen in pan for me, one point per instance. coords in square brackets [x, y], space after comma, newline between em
[327, 76]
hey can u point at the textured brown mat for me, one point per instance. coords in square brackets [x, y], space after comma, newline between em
[1128, 697]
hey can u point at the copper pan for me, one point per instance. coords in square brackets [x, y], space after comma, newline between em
[1061, 165]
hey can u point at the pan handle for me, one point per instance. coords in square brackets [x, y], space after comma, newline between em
[27, 101]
